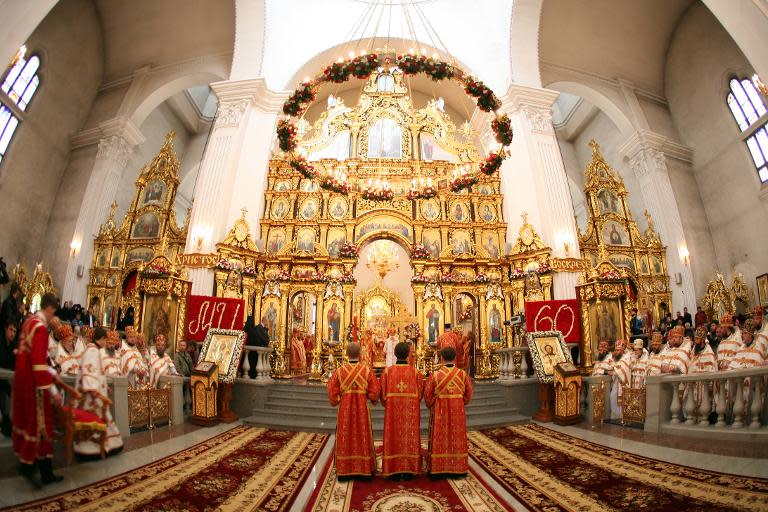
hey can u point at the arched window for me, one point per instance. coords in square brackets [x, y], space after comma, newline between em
[385, 83]
[749, 111]
[20, 83]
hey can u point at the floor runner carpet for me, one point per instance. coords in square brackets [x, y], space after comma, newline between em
[551, 471]
[242, 469]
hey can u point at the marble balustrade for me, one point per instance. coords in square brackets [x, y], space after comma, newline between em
[512, 363]
[262, 363]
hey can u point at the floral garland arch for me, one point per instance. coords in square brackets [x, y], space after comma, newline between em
[411, 64]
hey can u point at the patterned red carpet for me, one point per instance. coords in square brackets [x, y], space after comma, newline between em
[551, 471]
[421, 494]
[242, 469]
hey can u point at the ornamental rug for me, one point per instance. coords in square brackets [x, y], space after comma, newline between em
[551, 471]
[242, 469]
[420, 494]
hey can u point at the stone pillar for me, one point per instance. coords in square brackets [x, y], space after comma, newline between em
[116, 139]
[647, 158]
[534, 179]
[233, 171]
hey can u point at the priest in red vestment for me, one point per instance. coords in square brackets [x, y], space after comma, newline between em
[446, 393]
[451, 339]
[33, 393]
[352, 386]
[401, 389]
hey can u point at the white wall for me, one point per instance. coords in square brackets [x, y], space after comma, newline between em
[33, 183]
[701, 58]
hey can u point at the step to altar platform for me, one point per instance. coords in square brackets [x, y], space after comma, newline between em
[300, 405]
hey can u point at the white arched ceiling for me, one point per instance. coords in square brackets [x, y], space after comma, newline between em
[524, 42]
[19, 20]
[747, 23]
[613, 109]
[477, 36]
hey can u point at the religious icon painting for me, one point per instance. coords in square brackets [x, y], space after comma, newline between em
[143, 254]
[154, 193]
[431, 240]
[491, 244]
[495, 313]
[459, 212]
[114, 261]
[622, 260]
[430, 209]
[614, 233]
[308, 186]
[101, 261]
[484, 189]
[333, 316]
[275, 240]
[159, 316]
[279, 208]
[605, 322]
[548, 349]
[461, 243]
[270, 308]
[488, 211]
[282, 186]
[309, 208]
[657, 267]
[305, 240]
[223, 347]
[432, 321]
[337, 207]
[608, 201]
[336, 238]
[644, 266]
[147, 226]
[762, 289]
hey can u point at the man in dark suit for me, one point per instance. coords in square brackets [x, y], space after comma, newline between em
[257, 336]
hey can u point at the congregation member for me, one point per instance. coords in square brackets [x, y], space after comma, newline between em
[160, 363]
[92, 383]
[8, 347]
[182, 361]
[447, 391]
[351, 387]
[639, 365]
[110, 359]
[401, 391]
[700, 318]
[635, 324]
[687, 318]
[10, 312]
[622, 375]
[730, 342]
[68, 350]
[132, 364]
[604, 360]
[33, 397]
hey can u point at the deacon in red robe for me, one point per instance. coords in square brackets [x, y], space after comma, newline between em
[446, 393]
[33, 393]
[352, 386]
[451, 339]
[401, 389]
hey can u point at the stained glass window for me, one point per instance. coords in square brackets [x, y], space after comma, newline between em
[19, 85]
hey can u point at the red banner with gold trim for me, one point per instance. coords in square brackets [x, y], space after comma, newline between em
[204, 312]
[555, 315]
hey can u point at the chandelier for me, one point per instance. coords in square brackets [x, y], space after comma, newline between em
[383, 257]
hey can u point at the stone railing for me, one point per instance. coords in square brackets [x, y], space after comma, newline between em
[512, 364]
[118, 391]
[262, 362]
[686, 402]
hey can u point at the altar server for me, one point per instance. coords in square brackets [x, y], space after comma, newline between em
[92, 383]
[33, 394]
[401, 390]
[446, 392]
[351, 387]
[160, 363]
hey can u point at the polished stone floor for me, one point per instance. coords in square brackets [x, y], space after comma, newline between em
[146, 447]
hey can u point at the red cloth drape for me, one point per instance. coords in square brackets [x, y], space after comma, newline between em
[401, 389]
[32, 414]
[446, 393]
[350, 387]
[204, 312]
[555, 315]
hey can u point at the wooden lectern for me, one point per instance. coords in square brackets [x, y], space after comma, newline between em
[204, 382]
[567, 393]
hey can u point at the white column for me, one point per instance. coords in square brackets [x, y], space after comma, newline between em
[534, 178]
[647, 158]
[232, 174]
[116, 139]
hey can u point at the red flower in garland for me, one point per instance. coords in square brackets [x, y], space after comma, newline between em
[286, 135]
[502, 129]
[463, 181]
[300, 98]
[486, 100]
[363, 66]
[493, 162]
[338, 72]
[411, 64]
[306, 169]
